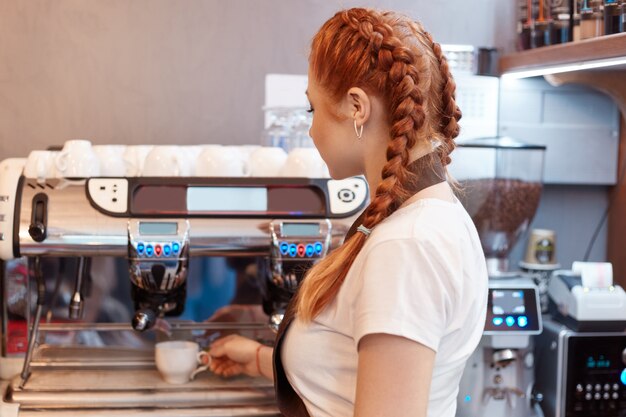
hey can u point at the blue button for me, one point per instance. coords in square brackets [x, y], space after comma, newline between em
[149, 250]
[468, 398]
[140, 247]
[318, 247]
[497, 321]
[510, 321]
[284, 248]
[167, 250]
[175, 247]
[522, 321]
[310, 251]
[623, 376]
[293, 250]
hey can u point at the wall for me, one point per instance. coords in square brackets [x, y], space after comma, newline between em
[187, 72]
[166, 71]
[580, 128]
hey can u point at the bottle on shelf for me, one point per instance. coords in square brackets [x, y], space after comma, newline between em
[524, 26]
[612, 17]
[591, 19]
[540, 32]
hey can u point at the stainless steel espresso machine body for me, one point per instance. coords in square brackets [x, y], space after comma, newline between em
[158, 224]
[581, 374]
[499, 376]
[581, 355]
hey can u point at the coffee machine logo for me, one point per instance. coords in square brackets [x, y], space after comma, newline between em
[544, 251]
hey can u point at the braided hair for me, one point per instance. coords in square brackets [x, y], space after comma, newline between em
[392, 57]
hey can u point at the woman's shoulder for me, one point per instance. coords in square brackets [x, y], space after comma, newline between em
[422, 221]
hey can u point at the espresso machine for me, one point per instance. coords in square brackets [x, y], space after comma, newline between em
[500, 186]
[581, 354]
[156, 224]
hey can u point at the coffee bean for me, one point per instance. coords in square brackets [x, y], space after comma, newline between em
[501, 209]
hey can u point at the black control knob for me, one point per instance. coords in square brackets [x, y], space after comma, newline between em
[37, 232]
[144, 319]
[39, 218]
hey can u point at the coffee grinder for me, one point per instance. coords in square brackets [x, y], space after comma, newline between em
[501, 183]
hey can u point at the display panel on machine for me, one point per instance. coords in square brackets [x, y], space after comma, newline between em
[158, 228]
[300, 229]
[512, 309]
[596, 377]
[220, 199]
[508, 302]
[227, 200]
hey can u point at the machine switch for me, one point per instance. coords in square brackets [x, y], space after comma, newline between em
[39, 218]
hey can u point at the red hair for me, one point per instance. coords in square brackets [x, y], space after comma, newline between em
[390, 56]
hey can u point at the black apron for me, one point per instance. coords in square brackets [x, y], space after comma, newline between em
[289, 403]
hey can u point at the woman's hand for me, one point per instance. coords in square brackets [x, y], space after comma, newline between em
[234, 355]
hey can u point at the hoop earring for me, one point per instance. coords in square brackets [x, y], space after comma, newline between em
[359, 132]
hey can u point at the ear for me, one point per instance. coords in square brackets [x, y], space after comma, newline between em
[359, 105]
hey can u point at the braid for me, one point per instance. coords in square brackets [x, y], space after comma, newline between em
[392, 57]
[450, 112]
[382, 60]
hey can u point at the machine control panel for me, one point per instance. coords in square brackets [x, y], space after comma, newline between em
[512, 309]
[158, 249]
[245, 197]
[301, 249]
[595, 375]
[157, 239]
[109, 193]
[346, 195]
[299, 240]
[158, 253]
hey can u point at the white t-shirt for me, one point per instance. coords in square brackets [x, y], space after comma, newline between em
[422, 275]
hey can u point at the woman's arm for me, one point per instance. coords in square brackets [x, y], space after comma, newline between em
[393, 377]
[266, 362]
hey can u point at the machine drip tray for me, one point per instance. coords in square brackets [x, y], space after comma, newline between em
[69, 357]
[90, 392]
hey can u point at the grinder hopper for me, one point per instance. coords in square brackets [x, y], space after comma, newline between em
[501, 183]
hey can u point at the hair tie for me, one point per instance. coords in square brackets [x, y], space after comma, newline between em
[364, 230]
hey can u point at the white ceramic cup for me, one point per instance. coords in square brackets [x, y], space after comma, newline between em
[221, 161]
[178, 360]
[191, 153]
[247, 150]
[166, 161]
[304, 162]
[77, 159]
[40, 165]
[134, 158]
[267, 161]
[111, 159]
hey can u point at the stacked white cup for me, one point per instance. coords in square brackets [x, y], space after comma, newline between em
[77, 160]
[111, 159]
[166, 161]
[40, 165]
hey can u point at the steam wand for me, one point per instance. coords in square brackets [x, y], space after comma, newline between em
[77, 301]
[34, 331]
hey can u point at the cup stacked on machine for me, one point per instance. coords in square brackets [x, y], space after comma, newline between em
[81, 159]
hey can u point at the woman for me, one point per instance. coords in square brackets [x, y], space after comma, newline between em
[384, 324]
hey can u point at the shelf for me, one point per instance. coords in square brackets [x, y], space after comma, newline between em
[581, 63]
[605, 49]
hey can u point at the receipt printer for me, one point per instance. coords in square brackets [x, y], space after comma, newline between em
[585, 299]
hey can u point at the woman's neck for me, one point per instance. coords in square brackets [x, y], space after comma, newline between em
[376, 160]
